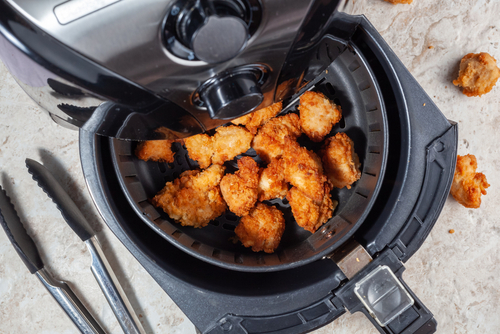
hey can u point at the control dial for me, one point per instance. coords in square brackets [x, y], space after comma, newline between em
[230, 96]
[213, 38]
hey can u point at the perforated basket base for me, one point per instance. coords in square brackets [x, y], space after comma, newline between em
[349, 83]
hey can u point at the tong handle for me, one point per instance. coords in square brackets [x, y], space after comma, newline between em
[112, 289]
[70, 303]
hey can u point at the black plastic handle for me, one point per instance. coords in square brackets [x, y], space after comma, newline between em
[415, 320]
[302, 321]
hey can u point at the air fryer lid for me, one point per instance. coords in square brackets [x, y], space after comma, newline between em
[349, 82]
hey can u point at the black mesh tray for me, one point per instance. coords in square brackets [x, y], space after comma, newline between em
[349, 83]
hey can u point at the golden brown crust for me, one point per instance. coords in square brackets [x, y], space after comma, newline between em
[394, 2]
[155, 150]
[468, 185]
[200, 149]
[261, 229]
[270, 139]
[193, 199]
[239, 190]
[478, 74]
[230, 141]
[318, 115]
[307, 213]
[303, 170]
[243, 120]
[272, 182]
[256, 119]
[340, 161]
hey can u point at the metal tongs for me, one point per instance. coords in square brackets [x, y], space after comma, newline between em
[100, 267]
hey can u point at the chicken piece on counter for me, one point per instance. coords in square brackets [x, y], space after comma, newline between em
[240, 190]
[262, 228]
[272, 182]
[256, 119]
[340, 161]
[467, 185]
[307, 213]
[200, 148]
[318, 115]
[395, 2]
[269, 142]
[230, 141]
[478, 74]
[193, 199]
[155, 150]
[303, 170]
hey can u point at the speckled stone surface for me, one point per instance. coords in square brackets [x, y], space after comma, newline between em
[457, 276]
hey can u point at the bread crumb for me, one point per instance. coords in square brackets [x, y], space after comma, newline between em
[424, 104]
[451, 231]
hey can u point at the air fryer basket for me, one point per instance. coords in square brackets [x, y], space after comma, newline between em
[349, 82]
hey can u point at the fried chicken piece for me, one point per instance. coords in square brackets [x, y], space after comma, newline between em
[193, 199]
[230, 141]
[468, 185]
[254, 120]
[200, 149]
[272, 182]
[395, 2]
[155, 150]
[307, 213]
[240, 190]
[478, 74]
[340, 161]
[318, 115]
[303, 170]
[262, 228]
[243, 120]
[270, 139]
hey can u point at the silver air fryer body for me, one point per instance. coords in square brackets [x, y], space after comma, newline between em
[160, 68]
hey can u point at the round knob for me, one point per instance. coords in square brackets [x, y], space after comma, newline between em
[213, 38]
[232, 96]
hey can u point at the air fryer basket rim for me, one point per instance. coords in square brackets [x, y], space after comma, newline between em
[327, 238]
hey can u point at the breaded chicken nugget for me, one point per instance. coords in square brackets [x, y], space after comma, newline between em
[303, 170]
[468, 185]
[200, 148]
[254, 120]
[240, 190]
[478, 74]
[340, 161]
[318, 115]
[272, 182]
[270, 139]
[262, 228]
[394, 2]
[243, 120]
[307, 213]
[193, 199]
[155, 150]
[230, 141]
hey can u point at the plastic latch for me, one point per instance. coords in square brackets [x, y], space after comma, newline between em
[383, 295]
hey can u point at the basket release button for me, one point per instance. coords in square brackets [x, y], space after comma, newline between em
[383, 295]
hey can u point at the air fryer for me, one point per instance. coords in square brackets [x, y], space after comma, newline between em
[99, 67]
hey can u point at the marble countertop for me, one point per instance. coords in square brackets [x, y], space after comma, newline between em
[456, 276]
